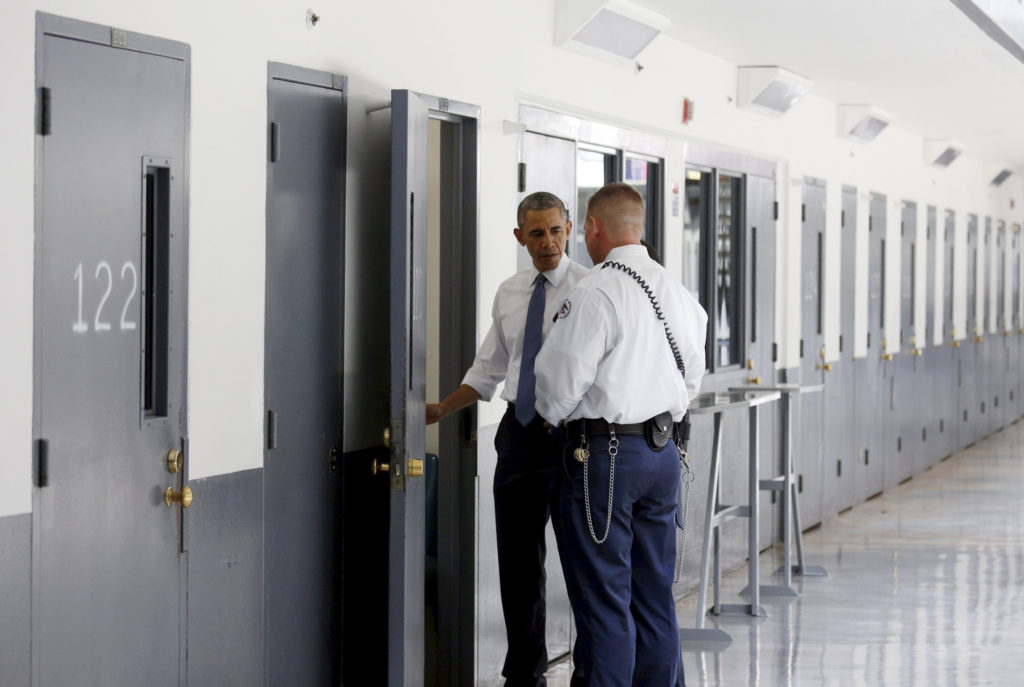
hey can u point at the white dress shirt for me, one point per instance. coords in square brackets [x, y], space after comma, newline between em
[608, 357]
[501, 352]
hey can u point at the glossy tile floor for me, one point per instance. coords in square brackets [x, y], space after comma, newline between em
[926, 588]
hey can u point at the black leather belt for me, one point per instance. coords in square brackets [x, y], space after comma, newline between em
[599, 427]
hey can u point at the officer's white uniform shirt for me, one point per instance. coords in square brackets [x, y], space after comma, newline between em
[500, 355]
[607, 355]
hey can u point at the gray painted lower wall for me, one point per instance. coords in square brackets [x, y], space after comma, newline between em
[15, 600]
[224, 539]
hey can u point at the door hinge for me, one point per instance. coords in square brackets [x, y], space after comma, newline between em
[801, 348]
[803, 212]
[44, 111]
[275, 142]
[775, 352]
[842, 218]
[522, 177]
[42, 463]
[775, 210]
[271, 429]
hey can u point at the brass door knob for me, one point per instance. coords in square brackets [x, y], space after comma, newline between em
[918, 352]
[753, 380]
[955, 344]
[887, 356]
[979, 339]
[174, 460]
[376, 467]
[184, 497]
[415, 467]
[827, 367]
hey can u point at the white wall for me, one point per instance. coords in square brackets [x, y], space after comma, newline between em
[495, 55]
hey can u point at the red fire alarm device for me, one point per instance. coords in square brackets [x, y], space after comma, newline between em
[687, 110]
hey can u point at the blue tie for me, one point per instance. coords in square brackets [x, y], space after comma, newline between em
[526, 395]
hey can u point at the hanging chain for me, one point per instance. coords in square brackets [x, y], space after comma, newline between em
[613, 450]
[687, 478]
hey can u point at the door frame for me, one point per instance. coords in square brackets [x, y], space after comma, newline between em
[457, 517]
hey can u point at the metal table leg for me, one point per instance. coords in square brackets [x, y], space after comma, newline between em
[700, 632]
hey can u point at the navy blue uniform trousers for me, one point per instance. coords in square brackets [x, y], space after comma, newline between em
[621, 590]
[526, 488]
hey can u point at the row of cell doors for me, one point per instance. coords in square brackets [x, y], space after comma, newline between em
[344, 543]
[903, 405]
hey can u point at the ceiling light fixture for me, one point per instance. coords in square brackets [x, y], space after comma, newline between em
[862, 122]
[770, 89]
[615, 31]
[941, 152]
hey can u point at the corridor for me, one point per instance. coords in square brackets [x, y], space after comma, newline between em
[926, 588]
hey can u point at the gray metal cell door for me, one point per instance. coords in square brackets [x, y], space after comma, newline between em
[760, 285]
[302, 375]
[407, 547]
[970, 401]
[809, 456]
[839, 395]
[949, 369]
[1000, 370]
[549, 164]
[905, 366]
[930, 388]
[874, 397]
[987, 346]
[109, 358]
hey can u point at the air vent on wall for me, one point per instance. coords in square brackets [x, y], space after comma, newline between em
[615, 31]
[862, 122]
[769, 89]
[941, 153]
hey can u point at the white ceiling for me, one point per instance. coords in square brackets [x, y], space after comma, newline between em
[923, 61]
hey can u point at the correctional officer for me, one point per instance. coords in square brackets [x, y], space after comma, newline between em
[618, 370]
[527, 475]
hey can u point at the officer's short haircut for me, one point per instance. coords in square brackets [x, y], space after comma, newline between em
[539, 201]
[617, 190]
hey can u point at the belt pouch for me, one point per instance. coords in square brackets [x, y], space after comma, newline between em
[658, 430]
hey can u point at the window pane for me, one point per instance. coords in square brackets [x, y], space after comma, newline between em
[594, 169]
[727, 273]
[637, 176]
[693, 229]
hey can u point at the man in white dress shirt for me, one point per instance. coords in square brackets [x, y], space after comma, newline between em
[527, 475]
[618, 370]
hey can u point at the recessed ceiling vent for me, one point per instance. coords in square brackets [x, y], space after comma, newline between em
[862, 122]
[941, 153]
[1002, 176]
[769, 89]
[615, 31]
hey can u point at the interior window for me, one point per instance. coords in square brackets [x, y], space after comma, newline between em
[594, 169]
[728, 243]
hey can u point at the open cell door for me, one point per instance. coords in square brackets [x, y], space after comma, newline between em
[406, 566]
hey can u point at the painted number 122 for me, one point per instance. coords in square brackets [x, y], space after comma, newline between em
[105, 274]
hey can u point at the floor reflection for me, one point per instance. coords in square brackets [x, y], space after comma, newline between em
[926, 589]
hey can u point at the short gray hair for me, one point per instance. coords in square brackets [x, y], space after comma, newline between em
[539, 201]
